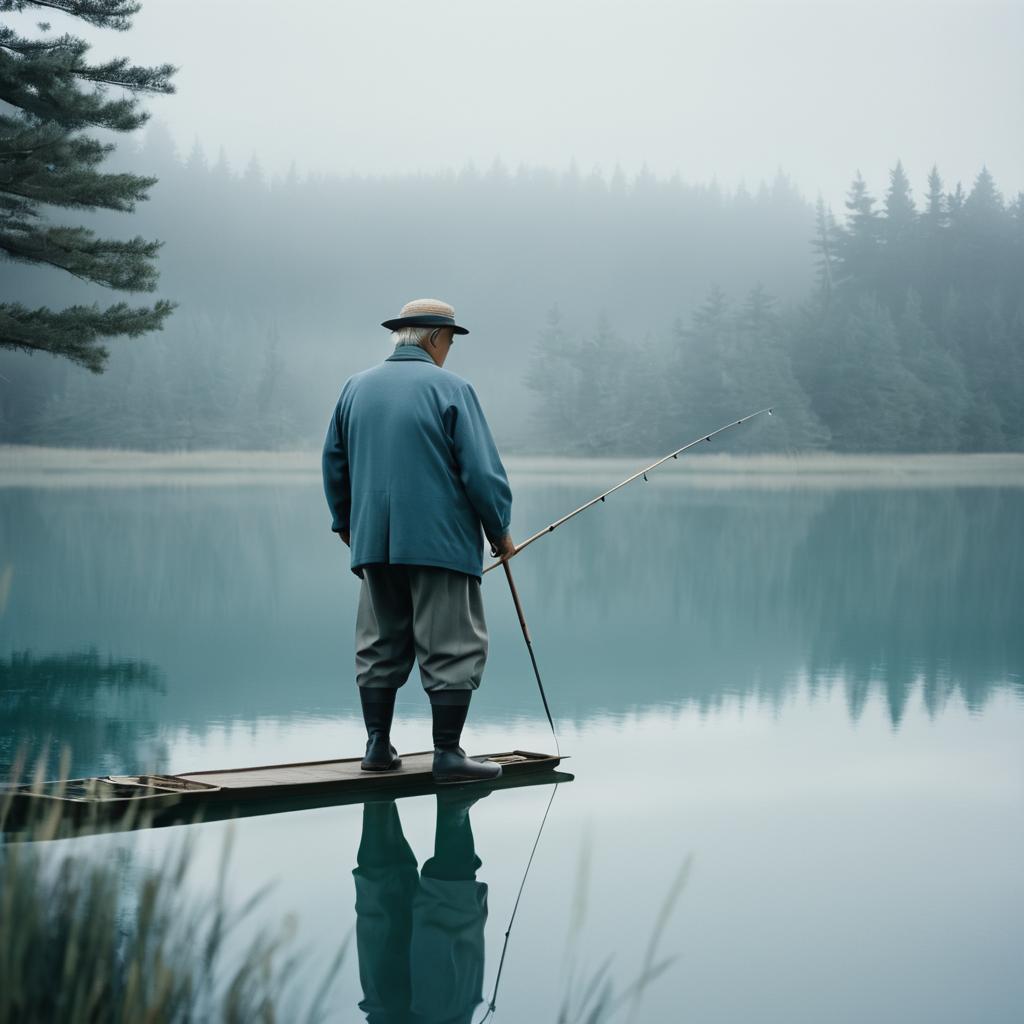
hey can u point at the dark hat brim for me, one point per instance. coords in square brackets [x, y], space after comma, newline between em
[425, 320]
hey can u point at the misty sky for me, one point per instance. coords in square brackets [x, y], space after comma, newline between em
[732, 90]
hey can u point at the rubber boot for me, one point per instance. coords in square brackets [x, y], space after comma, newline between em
[455, 858]
[378, 710]
[449, 709]
[382, 844]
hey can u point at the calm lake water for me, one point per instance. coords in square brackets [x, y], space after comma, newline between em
[803, 689]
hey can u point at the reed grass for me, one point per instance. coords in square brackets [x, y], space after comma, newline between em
[77, 947]
[591, 996]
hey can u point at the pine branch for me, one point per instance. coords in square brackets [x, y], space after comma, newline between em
[45, 159]
[9, 40]
[70, 50]
[74, 332]
[41, 78]
[81, 189]
[115, 14]
[17, 213]
[46, 144]
[116, 264]
[54, 97]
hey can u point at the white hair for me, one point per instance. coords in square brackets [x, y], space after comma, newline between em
[412, 335]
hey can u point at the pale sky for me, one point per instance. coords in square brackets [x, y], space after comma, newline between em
[730, 90]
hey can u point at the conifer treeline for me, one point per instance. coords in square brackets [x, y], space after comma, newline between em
[317, 262]
[281, 284]
[912, 340]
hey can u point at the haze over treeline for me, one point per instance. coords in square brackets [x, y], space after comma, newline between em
[608, 314]
[912, 339]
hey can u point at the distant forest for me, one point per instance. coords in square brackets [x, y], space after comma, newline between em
[912, 339]
[608, 315]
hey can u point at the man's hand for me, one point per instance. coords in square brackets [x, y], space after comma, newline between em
[505, 548]
[344, 535]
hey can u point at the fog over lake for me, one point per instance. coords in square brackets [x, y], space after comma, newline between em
[785, 670]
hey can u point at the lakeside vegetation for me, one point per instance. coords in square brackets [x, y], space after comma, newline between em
[78, 945]
[646, 309]
[911, 341]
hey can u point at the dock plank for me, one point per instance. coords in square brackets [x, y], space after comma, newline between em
[315, 772]
[143, 801]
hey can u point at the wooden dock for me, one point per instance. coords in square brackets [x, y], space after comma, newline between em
[135, 801]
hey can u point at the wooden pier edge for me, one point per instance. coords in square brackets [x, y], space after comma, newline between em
[154, 800]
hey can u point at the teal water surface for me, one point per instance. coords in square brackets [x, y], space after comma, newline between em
[802, 692]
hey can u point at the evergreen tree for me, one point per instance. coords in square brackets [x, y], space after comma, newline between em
[272, 423]
[1013, 382]
[932, 276]
[196, 163]
[955, 203]
[553, 375]
[700, 367]
[983, 234]
[938, 395]
[764, 377]
[863, 388]
[1016, 212]
[823, 244]
[985, 202]
[601, 395]
[993, 368]
[643, 430]
[935, 204]
[981, 425]
[899, 258]
[900, 211]
[859, 239]
[46, 158]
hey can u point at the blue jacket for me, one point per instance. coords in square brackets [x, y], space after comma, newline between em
[410, 467]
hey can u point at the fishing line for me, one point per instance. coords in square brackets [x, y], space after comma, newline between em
[492, 1002]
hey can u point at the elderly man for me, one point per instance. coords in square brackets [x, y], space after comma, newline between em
[413, 480]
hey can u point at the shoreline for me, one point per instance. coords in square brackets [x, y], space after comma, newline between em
[37, 466]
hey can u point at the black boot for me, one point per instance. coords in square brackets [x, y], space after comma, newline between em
[450, 708]
[455, 856]
[378, 710]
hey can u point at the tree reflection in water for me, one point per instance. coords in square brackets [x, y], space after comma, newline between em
[90, 704]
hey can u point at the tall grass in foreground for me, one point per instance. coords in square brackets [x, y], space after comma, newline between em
[592, 997]
[76, 948]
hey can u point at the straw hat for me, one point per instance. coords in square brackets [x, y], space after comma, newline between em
[425, 313]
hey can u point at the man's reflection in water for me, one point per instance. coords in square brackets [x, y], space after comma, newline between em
[420, 934]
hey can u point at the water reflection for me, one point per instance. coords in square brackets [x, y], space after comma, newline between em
[693, 596]
[96, 706]
[669, 594]
[420, 932]
[827, 834]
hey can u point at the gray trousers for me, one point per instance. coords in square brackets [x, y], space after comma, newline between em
[420, 613]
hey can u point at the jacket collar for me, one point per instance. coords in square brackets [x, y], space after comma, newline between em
[409, 352]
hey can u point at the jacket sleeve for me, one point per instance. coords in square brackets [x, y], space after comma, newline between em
[337, 483]
[480, 469]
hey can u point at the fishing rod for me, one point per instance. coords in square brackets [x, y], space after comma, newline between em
[529, 647]
[551, 527]
[503, 561]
